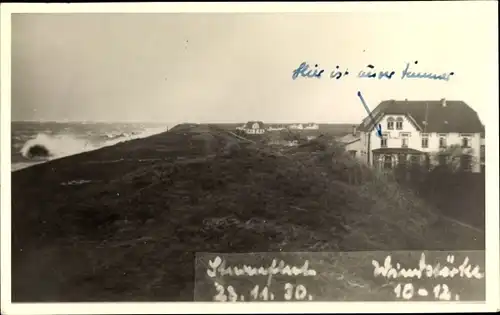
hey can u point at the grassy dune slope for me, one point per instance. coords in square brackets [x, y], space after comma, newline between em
[130, 232]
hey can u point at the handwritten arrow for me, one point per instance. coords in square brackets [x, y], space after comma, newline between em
[379, 126]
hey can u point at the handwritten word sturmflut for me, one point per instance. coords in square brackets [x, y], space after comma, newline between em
[306, 71]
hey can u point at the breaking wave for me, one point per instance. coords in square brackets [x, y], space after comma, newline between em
[46, 147]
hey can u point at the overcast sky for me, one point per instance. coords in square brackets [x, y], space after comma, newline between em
[238, 67]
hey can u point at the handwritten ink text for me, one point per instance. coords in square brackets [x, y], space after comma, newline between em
[373, 75]
[304, 71]
[290, 293]
[406, 73]
[336, 74]
[219, 266]
[389, 271]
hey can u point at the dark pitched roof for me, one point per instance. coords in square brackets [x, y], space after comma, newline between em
[456, 116]
[249, 124]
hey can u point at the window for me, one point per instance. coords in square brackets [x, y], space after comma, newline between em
[466, 140]
[465, 143]
[404, 139]
[352, 153]
[442, 141]
[404, 142]
[390, 123]
[399, 123]
[425, 140]
[383, 142]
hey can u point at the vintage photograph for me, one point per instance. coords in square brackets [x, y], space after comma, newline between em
[143, 142]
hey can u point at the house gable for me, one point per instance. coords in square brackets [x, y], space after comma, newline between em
[407, 120]
[408, 124]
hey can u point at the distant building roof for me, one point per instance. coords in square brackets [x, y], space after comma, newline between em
[429, 116]
[249, 125]
[349, 138]
[276, 126]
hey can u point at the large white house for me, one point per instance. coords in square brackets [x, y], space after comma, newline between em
[417, 130]
[253, 128]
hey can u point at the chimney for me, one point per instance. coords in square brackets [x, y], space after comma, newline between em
[443, 102]
[354, 130]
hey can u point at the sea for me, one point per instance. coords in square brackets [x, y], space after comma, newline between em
[38, 142]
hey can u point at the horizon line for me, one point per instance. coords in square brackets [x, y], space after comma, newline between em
[178, 123]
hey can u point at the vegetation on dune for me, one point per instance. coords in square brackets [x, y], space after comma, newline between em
[322, 193]
[136, 234]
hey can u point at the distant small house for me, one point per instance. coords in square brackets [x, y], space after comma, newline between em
[276, 127]
[296, 126]
[352, 143]
[311, 126]
[254, 127]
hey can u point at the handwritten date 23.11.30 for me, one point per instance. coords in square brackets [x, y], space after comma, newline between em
[291, 293]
